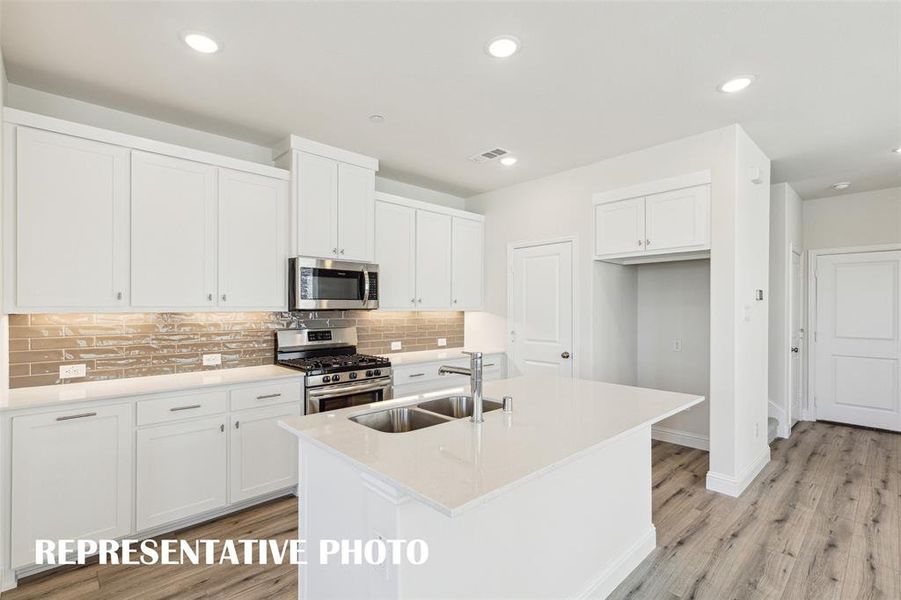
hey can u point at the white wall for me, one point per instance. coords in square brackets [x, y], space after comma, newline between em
[4, 319]
[560, 205]
[674, 303]
[862, 219]
[70, 109]
[786, 236]
[415, 192]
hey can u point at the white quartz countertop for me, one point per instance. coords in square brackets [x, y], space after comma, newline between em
[49, 395]
[426, 356]
[457, 465]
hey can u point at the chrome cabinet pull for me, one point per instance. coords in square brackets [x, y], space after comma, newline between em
[342, 251]
[222, 428]
[237, 424]
[412, 375]
[639, 243]
[223, 297]
[647, 242]
[209, 297]
[79, 416]
[178, 408]
[118, 295]
[264, 396]
[334, 251]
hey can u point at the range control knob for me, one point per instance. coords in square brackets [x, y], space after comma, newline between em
[353, 375]
[336, 378]
[377, 372]
[326, 379]
[368, 373]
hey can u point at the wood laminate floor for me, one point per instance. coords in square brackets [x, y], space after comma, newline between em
[823, 520]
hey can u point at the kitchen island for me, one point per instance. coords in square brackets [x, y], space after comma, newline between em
[550, 500]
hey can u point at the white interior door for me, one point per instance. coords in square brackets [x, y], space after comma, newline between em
[541, 304]
[858, 348]
[797, 341]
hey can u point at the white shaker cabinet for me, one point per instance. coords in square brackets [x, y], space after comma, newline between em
[660, 224]
[466, 264]
[619, 227]
[317, 205]
[175, 270]
[253, 254]
[66, 222]
[334, 207]
[71, 477]
[263, 455]
[679, 219]
[181, 470]
[433, 260]
[356, 210]
[395, 254]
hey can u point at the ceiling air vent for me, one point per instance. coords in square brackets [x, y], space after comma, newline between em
[489, 155]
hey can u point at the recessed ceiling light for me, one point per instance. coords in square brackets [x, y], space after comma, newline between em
[377, 118]
[201, 42]
[897, 150]
[736, 84]
[503, 46]
[841, 185]
[508, 161]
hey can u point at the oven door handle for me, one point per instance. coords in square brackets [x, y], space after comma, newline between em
[365, 287]
[347, 388]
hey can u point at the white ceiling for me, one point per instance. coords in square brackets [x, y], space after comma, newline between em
[593, 80]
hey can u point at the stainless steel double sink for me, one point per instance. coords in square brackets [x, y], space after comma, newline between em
[425, 414]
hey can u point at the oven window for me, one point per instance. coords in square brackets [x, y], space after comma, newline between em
[333, 284]
[326, 404]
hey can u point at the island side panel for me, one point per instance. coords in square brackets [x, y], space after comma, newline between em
[575, 531]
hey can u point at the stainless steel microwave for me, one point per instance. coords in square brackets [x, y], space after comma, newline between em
[322, 284]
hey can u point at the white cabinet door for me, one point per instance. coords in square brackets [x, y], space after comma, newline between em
[71, 222]
[356, 206]
[71, 477]
[181, 470]
[253, 256]
[678, 220]
[466, 265]
[317, 205]
[433, 260]
[395, 254]
[173, 232]
[619, 227]
[263, 455]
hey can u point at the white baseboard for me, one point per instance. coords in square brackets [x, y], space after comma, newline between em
[682, 438]
[607, 580]
[734, 486]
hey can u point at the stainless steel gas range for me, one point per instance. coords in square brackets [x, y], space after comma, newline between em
[335, 375]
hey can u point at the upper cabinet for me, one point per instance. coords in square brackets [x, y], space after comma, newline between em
[96, 220]
[66, 235]
[429, 257]
[658, 225]
[173, 232]
[334, 205]
[253, 231]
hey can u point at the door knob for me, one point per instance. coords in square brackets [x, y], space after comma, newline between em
[795, 349]
[564, 355]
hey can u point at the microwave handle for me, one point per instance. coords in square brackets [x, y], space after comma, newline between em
[365, 287]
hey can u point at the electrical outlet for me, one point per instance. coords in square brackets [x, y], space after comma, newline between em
[212, 360]
[396, 345]
[72, 371]
[677, 345]
[442, 341]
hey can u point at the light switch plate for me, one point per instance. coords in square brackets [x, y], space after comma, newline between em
[72, 371]
[396, 345]
[442, 341]
[212, 360]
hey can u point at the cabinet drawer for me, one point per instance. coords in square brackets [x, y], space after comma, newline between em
[425, 371]
[265, 395]
[177, 408]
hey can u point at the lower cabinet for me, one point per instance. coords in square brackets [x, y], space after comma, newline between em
[263, 455]
[421, 378]
[71, 477]
[181, 470]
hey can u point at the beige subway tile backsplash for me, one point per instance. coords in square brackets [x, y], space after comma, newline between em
[119, 345]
